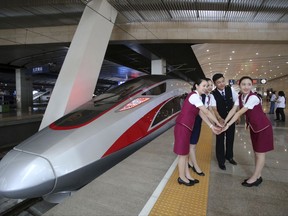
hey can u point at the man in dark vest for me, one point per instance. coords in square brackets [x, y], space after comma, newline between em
[225, 98]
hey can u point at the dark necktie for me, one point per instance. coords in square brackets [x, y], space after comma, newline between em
[208, 101]
[223, 95]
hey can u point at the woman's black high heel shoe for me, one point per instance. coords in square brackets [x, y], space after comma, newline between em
[193, 168]
[255, 183]
[180, 181]
[194, 181]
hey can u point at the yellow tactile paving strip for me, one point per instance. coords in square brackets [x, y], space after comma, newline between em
[178, 199]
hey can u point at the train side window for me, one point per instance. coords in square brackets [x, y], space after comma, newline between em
[156, 90]
[171, 107]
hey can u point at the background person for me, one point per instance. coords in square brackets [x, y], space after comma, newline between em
[280, 104]
[272, 102]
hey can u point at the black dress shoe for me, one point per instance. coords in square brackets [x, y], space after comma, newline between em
[255, 183]
[222, 166]
[180, 181]
[200, 174]
[232, 161]
[195, 181]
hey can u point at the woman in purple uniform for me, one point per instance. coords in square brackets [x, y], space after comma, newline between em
[206, 99]
[261, 132]
[184, 125]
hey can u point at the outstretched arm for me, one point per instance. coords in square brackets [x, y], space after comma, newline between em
[217, 115]
[235, 117]
[215, 130]
[207, 113]
[230, 114]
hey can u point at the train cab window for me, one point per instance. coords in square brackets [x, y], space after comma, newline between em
[156, 90]
[171, 107]
[92, 109]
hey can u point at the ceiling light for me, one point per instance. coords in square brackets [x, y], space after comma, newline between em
[230, 58]
[207, 50]
[257, 53]
[279, 55]
[233, 51]
[250, 60]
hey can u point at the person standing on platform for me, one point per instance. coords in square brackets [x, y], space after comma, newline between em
[192, 161]
[280, 104]
[261, 131]
[225, 97]
[272, 102]
[183, 129]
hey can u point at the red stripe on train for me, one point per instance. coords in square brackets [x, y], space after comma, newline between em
[137, 131]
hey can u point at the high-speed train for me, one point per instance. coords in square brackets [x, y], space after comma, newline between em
[83, 144]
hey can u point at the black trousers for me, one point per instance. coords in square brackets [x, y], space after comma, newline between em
[280, 111]
[221, 151]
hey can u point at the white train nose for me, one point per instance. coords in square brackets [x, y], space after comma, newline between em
[24, 175]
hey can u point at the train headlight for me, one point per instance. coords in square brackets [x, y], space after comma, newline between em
[134, 103]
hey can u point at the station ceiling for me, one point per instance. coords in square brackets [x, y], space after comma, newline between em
[42, 13]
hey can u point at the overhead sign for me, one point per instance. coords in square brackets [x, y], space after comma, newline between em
[38, 70]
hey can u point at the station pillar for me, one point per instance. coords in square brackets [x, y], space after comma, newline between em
[79, 74]
[158, 67]
[24, 91]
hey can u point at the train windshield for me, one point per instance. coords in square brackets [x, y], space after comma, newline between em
[91, 110]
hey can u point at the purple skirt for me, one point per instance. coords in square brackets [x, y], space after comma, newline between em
[181, 139]
[262, 141]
